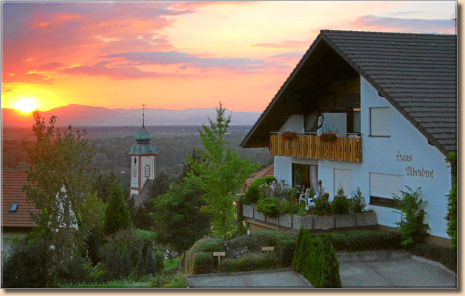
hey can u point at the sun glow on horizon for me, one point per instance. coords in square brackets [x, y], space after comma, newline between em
[26, 105]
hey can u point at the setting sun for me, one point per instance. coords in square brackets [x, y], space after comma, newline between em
[26, 105]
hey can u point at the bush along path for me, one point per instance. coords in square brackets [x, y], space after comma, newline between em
[316, 260]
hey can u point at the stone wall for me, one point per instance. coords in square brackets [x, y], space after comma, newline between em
[313, 222]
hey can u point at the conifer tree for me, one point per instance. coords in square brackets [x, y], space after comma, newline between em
[221, 172]
[116, 214]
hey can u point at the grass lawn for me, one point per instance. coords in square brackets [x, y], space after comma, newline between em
[170, 263]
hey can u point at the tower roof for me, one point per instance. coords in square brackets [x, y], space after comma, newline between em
[143, 134]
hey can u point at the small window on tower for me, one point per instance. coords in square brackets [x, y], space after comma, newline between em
[135, 167]
[147, 171]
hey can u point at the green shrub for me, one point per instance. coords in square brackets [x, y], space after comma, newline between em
[253, 192]
[445, 256]
[73, 270]
[340, 203]
[365, 240]
[28, 265]
[252, 261]
[208, 245]
[316, 260]
[127, 253]
[322, 206]
[285, 252]
[357, 203]
[269, 206]
[412, 227]
[289, 207]
[203, 263]
[178, 281]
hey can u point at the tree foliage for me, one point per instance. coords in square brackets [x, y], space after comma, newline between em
[141, 214]
[178, 221]
[452, 203]
[58, 183]
[220, 174]
[117, 215]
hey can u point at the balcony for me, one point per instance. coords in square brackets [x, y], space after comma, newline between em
[312, 146]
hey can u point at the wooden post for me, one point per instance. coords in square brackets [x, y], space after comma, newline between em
[219, 255]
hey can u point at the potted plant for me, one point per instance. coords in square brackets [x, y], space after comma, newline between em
[287, 135]
[328, 136]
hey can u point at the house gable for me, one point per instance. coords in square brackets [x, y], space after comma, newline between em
[416, 73]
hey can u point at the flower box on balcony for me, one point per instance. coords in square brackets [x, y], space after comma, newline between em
[328, 137]
[287, 135]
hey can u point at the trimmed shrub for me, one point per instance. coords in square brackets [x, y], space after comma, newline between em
[340, 203]
[322, 206]
[203, 263]
[357, 203]
[365, 240]
[204, 245]
[208, 245]
[445, 256]
[412, 227]
[254, 261]
[316, 260]
[269, 206]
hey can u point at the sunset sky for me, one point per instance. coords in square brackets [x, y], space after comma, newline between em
[179, 55]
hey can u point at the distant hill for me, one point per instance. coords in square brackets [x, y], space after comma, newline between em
[79, 115]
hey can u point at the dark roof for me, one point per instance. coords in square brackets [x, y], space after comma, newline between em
[416, 73]
[12, 183]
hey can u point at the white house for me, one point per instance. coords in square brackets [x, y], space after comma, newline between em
[391, 99]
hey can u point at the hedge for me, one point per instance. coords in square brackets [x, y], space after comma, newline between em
[445, 256]
[208, 245]
[239, 247]
[255, 261]
[365, 240]
[316, 260]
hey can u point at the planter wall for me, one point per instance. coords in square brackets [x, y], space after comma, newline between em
[366, 219]
[345, 220]
[258, 216]
[285, 220]
[314, 222]
[323, 222]
[247, 211]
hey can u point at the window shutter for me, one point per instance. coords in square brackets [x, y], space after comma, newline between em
[384, 185]
[380, 122]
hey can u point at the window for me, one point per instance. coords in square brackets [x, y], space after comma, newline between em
[147, 171]
[380, 122]
[345, 179]
[382, 186]
[14, 207]
[135, 167]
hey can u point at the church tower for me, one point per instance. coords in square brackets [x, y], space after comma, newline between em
[143, 160]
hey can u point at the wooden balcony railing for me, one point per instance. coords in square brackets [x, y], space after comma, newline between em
[309, 146]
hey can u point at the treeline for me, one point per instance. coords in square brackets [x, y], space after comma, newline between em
[111, 153]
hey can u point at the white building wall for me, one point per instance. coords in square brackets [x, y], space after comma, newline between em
[142, 161]
[380, 155]
[295, 123]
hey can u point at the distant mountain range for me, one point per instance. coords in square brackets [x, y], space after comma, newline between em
[86, 116]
